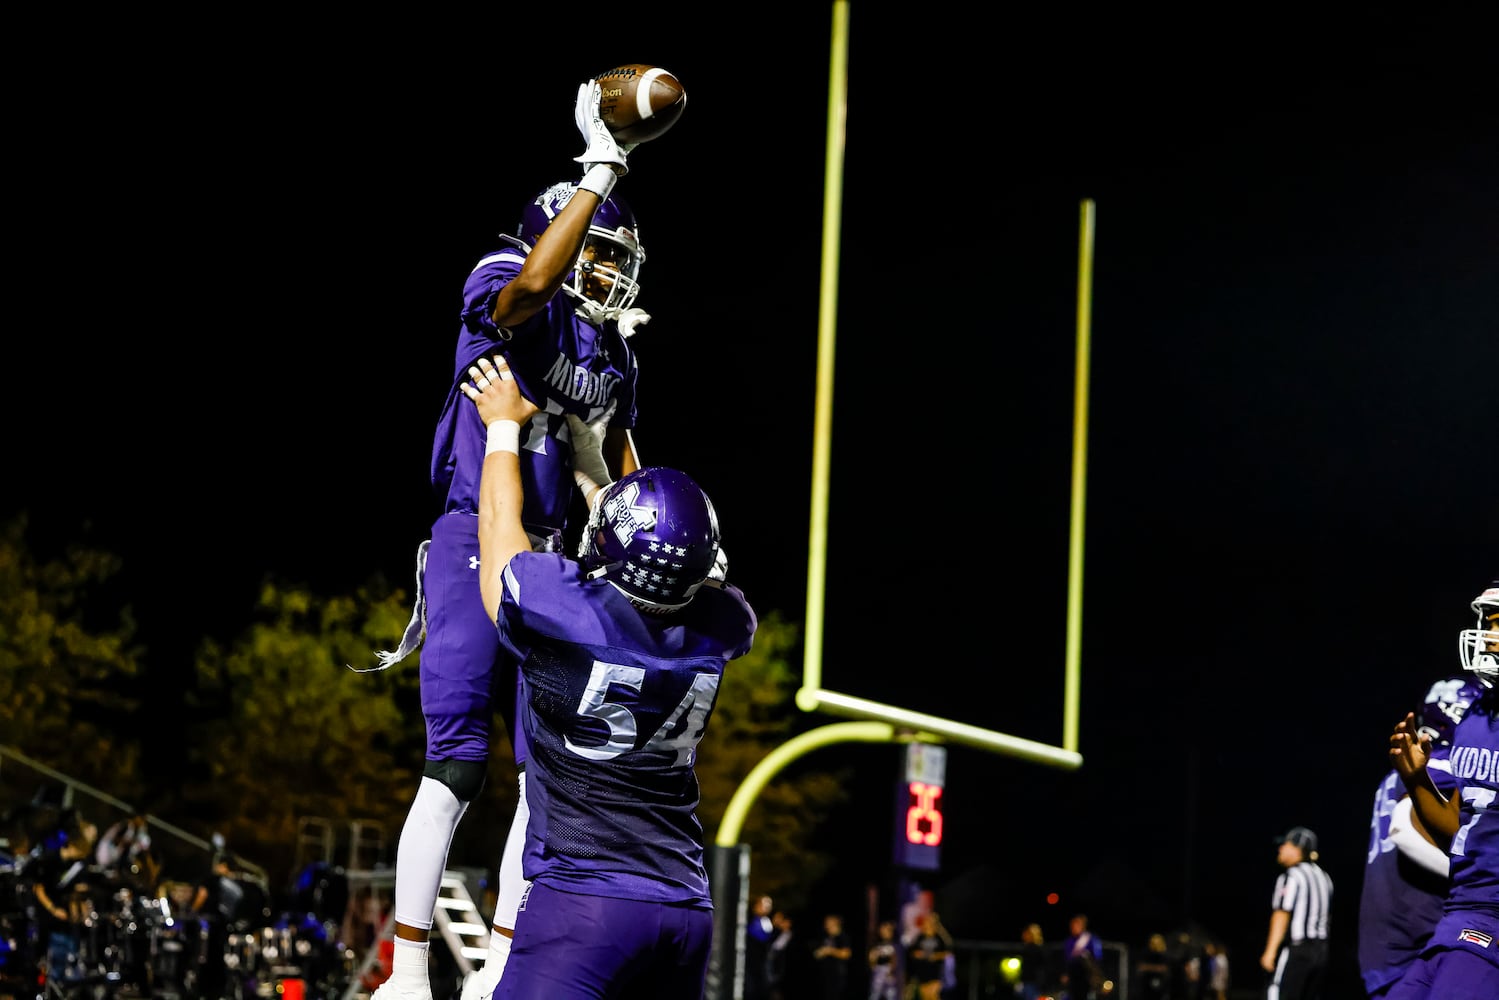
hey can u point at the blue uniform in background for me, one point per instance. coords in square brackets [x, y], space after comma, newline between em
[1401, 901]
[615, 702]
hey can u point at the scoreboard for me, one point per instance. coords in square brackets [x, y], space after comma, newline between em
[918, 806]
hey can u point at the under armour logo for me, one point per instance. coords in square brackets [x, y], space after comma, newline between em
[473, 562]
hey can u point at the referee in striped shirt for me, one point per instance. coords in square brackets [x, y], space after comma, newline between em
[1296, 949]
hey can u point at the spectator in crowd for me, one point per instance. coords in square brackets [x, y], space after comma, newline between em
[215, 904]
[1206, 973]
[1082, 960]
[760, 931]
[1194, 979]
[1032, 979]
[832, 954]
[1153, 971]
[884, 964]
[1182, 957]
[58, 875]
[125, 850]
[926, 957]
[781, 964]
[1215, 954]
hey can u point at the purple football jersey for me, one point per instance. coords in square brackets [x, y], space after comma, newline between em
[1400, 902]
[565, 366]
[560, 362]
[615, 704]
[1462, 957]
[1474, 759]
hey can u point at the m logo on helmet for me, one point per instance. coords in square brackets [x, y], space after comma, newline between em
[625, 516]
[555, 198]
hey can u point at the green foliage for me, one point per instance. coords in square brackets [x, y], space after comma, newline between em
[279, 730]
[284, 729]
[68, 663]
[755, 713]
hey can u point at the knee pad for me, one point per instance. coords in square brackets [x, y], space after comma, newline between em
[464, 778]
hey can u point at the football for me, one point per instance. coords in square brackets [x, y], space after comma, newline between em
[640, 102]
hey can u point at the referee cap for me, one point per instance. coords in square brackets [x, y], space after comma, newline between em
[1301, 837]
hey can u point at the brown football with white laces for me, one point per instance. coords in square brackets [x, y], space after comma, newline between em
[640, 102]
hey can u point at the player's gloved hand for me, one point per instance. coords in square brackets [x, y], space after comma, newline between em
[629, 319]
[589, 469]
[602, 147]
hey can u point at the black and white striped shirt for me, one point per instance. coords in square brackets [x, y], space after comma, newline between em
[1305, 891]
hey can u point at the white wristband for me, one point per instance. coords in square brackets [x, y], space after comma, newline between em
[599, 179]
[503, 435]
[592, 491]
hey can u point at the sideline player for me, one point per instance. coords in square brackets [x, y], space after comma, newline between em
[1462, 957]
[1405, 874]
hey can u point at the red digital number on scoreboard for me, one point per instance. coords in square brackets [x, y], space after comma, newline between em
[924, 814]
[917, 828]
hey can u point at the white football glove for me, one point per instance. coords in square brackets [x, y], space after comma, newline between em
[589, 469]
[602, 147]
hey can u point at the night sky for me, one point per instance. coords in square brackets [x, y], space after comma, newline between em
[1291, 489]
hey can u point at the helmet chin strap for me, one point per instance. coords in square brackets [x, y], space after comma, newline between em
[596, 312]
[627, 319]
[591, 311]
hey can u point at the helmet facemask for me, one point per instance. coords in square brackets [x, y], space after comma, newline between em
[604, 280]
[1478, 647]
[604, 276]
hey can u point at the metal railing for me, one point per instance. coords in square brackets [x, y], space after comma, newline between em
[107, 807]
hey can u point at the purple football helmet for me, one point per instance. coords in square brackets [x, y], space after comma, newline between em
[654, 536]
[1478, 647]
[1446, 704]
[609, 263]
